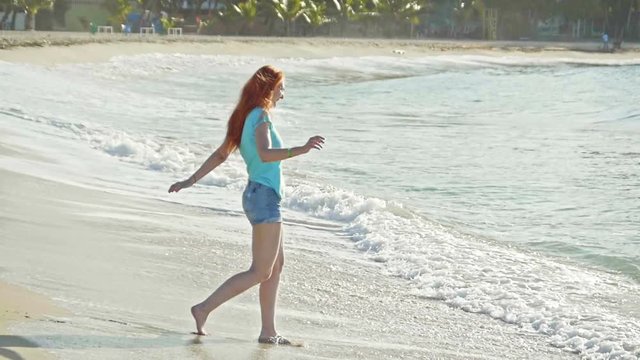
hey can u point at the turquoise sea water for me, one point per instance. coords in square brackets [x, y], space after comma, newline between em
[493, 184]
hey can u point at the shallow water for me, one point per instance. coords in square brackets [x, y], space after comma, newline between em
[502, 186]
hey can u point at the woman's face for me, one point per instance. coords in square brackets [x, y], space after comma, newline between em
[278, 93]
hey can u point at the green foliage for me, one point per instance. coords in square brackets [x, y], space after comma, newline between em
[316, 14]
[349, 9]
[398, 9]
[245, 12]
[393, 14]
[248, 10]
[167, 23]
[118, 9]
[516, 18]
[288, 11]
[33, 6]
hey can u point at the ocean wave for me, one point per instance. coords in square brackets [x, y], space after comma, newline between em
[539, 294]
[329, 70]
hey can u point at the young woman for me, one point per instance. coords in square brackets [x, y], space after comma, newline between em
[250, 129]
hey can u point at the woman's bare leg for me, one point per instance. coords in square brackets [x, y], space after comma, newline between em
[269, 294]
[265, 248]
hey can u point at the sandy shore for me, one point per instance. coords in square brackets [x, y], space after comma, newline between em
[61, 47]
[18, 305]
[126, 270]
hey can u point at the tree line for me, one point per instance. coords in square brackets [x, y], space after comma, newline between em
[514, 19]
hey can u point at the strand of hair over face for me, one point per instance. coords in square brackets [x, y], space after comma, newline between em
[257, 92]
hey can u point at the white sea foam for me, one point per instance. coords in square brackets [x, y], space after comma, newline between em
[158, 66]
[511, 285]
[330, 203]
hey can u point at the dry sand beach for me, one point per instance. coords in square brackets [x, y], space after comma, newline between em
[59, 47]
[92, 274]
[21, 305]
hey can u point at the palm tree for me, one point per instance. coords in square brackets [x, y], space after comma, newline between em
[288, 11]
[248, 11]
[348, 11]
[32, 7]
[394, 12]
[315, 15]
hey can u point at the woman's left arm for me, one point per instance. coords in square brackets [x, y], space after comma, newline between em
[267, 154]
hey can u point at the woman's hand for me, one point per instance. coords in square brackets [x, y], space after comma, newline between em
[315, 142]
[181, 185]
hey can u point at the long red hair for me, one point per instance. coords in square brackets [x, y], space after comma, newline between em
[258, 91]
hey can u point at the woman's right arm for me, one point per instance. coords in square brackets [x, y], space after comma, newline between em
[215, 159]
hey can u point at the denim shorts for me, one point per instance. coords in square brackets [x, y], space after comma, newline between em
[261, 204]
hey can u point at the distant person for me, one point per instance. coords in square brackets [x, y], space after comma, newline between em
[605, 41]
[199, 24]
[251, 129]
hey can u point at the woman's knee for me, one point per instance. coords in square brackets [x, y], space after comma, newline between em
[277, 267]
[261, 274]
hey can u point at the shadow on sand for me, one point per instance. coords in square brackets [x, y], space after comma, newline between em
[197, 347]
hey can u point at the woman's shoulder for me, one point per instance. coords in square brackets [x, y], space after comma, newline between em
[259, 115]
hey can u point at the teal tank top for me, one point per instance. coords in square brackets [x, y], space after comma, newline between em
[265, 173]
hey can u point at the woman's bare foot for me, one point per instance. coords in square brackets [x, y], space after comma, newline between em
[274, 340]
[200, 317]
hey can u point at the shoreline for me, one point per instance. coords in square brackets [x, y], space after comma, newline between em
[12, 39]
[76, 47]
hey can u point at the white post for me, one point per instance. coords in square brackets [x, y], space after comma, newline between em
[579, 24]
